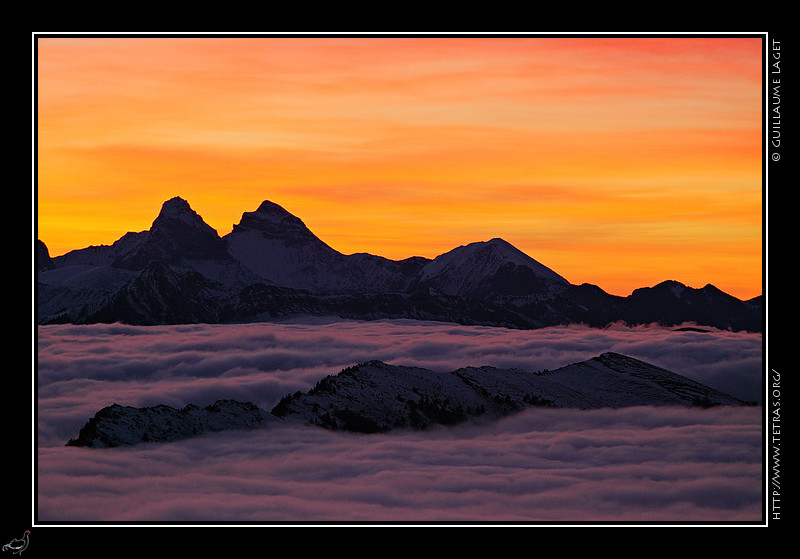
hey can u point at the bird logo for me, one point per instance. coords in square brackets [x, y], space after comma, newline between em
[18, 545]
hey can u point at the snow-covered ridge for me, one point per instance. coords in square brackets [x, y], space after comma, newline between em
[118, 425]
[375, 397]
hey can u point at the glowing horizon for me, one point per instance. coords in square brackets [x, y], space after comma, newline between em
[620, 162]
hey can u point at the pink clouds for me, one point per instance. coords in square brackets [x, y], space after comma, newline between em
[629, 465]
[562, 465]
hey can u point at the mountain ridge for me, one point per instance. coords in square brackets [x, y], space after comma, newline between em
[271, 259]
[375, 397]
[117, 425]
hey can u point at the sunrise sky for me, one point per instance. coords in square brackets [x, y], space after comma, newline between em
[620, 162]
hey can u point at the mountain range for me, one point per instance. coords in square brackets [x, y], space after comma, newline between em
[272, 266]
[376, 397]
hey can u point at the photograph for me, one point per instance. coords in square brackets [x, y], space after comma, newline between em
[400, 280]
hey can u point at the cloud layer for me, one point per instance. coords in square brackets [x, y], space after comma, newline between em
[562, 465]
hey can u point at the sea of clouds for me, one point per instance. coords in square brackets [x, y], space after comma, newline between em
[627, 465]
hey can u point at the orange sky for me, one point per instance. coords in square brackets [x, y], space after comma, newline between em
[620, 162]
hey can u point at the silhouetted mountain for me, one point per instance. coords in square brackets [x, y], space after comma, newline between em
[279, 248]
[678, 303]
[493, 268]
[271, 265]
[43, 261]
[177, 235]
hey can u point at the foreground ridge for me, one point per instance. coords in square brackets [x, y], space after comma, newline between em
[375, 397]
[118, 425]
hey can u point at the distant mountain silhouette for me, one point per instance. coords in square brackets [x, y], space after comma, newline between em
[271, 265]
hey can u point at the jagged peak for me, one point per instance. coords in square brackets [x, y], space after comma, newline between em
[269, 207]
[178, 210]
[176, 202]
[498, 241]
[269, 215]
[274, 222]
